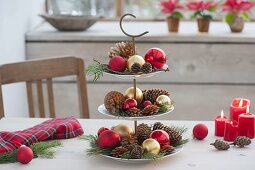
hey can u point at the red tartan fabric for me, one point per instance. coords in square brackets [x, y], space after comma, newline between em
[59, 128]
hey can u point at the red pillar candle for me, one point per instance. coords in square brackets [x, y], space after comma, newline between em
[246, 125]
[220, 124]
[231, 130]
[237, 107]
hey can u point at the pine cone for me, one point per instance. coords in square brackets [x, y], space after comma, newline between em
[128, 140]
[143, 128]
[158, 125]
[113, 101]
[166, 149]
[136, 67]
[124, 49]
[134, 112]
[146, 68]
[242, 141]
[136, 152]
[143, 132]
[174, 134]
[119, 151]
[152, 94]
[220, 145]
[150, 110]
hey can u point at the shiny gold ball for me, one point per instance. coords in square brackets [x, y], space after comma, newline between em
[164, 100]
[151, 146]
[135, 59]
[129, 93]
[123, 130]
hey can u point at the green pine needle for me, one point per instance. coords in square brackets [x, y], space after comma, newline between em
[151, 156]
[8, 157]
[94, 149]
[182, 142]
[163, 108]
[40, 149]
[96, 70]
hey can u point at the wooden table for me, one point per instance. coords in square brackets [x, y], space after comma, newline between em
[195, 155]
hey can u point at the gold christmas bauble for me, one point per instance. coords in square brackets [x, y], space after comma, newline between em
[151, 146]
[129, 93]
[123, 130]
[135, 59]
[164, 100]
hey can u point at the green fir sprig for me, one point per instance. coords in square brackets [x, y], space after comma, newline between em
[43, 149]
[97, 69]
[40, 149]
[94, 149]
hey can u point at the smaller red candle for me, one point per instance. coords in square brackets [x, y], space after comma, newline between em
[220, 124]
[231, 130]
[237, 107]
[246, 125]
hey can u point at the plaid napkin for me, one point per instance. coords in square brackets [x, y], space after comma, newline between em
[59, 128]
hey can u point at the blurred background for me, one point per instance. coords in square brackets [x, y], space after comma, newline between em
[207, 70]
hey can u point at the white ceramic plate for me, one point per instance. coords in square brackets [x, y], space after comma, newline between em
[103, 111]
[177, 150]
[131, 76]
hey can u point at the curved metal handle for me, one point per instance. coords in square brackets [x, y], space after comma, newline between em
[129, 35]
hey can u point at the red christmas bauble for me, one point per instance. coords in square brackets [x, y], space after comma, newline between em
[146, 103]
[101, 130]
[24, 154]
[109, 139]
[200, 131]
[129, 103]
[156, 57]
[161, 136]
[117, 63]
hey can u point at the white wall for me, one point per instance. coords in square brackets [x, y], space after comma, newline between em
[16, 18]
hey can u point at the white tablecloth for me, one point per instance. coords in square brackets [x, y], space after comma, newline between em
[195, 155]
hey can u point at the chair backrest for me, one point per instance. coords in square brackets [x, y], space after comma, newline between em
[45, 69]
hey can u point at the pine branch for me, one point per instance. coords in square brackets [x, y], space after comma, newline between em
[8, 157]
[96, 70]
[42, 149]
[182, 142]
[180, 129]
[151, 156]
[163, 108]
[94, 150]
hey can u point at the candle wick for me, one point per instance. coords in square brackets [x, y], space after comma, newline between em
[241, 103]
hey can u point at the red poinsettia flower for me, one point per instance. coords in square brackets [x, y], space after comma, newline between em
[237, 6]
[201, 5]
[169, 7]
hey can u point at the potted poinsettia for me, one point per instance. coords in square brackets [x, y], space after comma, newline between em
[203, 13]
[173, 9]
[238, 11]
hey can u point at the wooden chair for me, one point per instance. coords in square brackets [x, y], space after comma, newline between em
[45, 69]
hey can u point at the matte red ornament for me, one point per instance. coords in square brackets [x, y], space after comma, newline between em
[129, 103]
[117, 63]
[146, 103]
[101, 130]
[200, 131]
[161, 136]
[156, 57]
[109, 139]
[24, 154]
